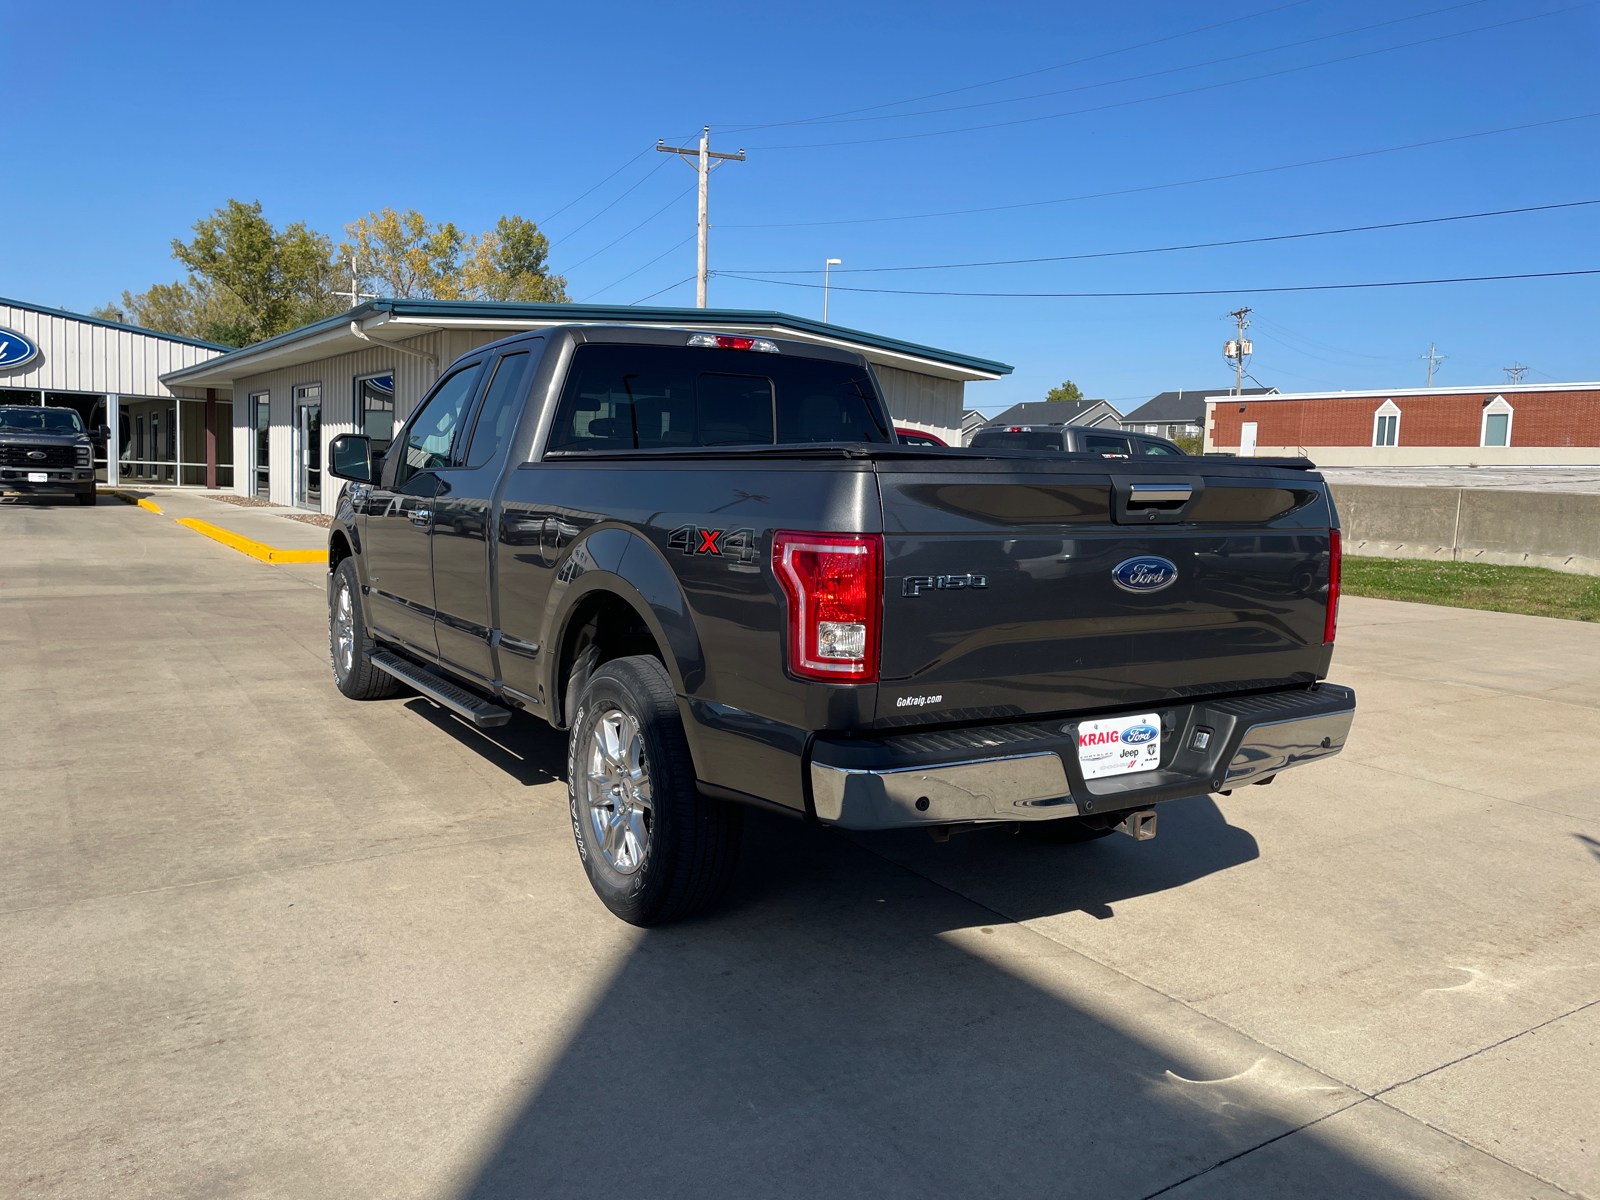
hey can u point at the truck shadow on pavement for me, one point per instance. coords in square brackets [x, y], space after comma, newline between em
[845, 1027]
[525, 748]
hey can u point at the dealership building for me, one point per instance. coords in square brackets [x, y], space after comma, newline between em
[1551, 424]
[112, 374]
[365, 370]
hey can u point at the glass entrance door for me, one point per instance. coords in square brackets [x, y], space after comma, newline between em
[308, 446]
[262, 419]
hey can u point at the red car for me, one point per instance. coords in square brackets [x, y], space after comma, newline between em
[915, 437]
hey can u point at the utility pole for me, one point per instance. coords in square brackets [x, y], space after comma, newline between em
[1515, 372]
[355, 293]
[703, 161]
[1239, 349]
[826, 267]
[1434, 359]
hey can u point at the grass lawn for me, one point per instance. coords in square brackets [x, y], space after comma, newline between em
[1531, 590]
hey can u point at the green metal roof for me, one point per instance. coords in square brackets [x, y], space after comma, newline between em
[624, 314]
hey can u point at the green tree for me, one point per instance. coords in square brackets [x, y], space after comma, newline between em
[1067, 391]
[247, 280]
[403, 254]
[509, 262]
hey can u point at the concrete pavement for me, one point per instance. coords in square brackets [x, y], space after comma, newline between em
[258, 940]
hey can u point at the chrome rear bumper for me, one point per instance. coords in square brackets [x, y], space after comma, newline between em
[1253, 740]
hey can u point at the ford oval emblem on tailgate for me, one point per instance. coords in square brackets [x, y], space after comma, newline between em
[1147, 573]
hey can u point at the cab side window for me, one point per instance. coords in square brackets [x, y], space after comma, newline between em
[1105, 445]
[433, 430]
[1159, 448]
[502, 405]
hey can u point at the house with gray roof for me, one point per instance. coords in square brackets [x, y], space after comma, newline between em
[1060, 412]
[1181, 413]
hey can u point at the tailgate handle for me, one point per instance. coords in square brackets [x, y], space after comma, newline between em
[1159, 493]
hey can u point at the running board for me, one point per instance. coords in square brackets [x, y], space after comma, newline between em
[458, 700]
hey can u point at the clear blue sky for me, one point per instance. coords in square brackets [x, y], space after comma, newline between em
[126, 123]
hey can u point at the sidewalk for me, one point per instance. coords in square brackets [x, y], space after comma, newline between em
[266, 528]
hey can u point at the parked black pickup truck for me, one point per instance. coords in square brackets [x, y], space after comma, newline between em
[47, 452]
[708, 558]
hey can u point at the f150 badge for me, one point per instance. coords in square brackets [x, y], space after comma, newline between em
[1147, 573]
[915, 585]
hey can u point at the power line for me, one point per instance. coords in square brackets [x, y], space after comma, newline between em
[1280, 237]
[1209, 87]
[1233, 291]
[1023, 75]
[634, 230]
[597, 186]
[668, 288]
[1085, 87]
[1156, 187]
[570, 233]
[636, 270]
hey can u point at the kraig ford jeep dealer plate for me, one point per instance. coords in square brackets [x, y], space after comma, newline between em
[1119, 745]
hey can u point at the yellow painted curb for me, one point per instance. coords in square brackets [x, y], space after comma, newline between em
[260, 550]
[130, 498]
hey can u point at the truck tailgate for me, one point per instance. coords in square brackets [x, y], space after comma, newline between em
[1027, 585]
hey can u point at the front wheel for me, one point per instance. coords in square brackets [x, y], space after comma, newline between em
[349, 643]
[85, 499]
[654, 848]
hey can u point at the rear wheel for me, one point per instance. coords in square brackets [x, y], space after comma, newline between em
[654, 848]
[1064, 832]
[348, 642]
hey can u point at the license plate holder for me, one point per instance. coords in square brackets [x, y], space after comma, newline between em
[38, 477]
[1119, 745]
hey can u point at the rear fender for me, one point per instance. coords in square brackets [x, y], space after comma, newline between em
[621, 563]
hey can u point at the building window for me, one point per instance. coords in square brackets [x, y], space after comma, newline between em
[260, 411]
[1386, 425]
[1496, 430]
[375, 409]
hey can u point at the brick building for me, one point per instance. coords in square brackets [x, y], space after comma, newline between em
[1529, 424]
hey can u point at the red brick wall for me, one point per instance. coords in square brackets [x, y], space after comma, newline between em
[1540, 419]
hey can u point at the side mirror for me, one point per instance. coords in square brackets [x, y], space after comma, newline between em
[100, 434]
[350, 457]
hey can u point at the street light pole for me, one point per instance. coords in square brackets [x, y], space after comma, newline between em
[826, 267]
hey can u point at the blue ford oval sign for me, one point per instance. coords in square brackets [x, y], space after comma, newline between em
[1138, 735]
[15, 349]
[1147, 573]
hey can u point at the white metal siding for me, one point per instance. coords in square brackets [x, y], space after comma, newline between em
[923, 401]
[337, 375]
[77, 356]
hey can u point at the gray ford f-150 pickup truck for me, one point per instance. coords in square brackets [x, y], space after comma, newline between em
[708, 559]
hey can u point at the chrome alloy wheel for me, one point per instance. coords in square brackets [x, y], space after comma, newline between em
[344, 631]
[621, 810]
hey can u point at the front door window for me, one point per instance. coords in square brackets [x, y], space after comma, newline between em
[308, 430]
[263, 427]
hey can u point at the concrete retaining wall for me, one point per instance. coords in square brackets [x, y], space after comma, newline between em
[1558, 530]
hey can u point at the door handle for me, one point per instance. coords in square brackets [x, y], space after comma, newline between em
[421, 516]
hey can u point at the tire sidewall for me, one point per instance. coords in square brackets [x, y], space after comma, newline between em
[344, 577]
[630, 896]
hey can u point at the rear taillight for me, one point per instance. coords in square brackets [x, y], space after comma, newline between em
[1335, 570]
[834, 586]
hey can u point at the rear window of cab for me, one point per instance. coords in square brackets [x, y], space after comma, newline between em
[678, 397]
